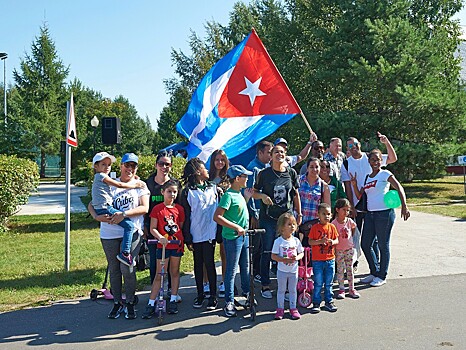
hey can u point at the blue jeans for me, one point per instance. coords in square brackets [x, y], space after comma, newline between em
[323, 275]
[236, 251]
[268, 238]
[377, 224]
[127, 225]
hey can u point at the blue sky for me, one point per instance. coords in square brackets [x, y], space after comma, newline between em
[113, 46]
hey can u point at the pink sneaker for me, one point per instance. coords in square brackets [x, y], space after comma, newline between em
[354, 294]
[341, 294]
[279, 314]
[295, 315]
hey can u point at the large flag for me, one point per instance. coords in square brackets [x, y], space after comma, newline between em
[240, 101]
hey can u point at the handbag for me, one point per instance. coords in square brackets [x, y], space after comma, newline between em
[362, 204]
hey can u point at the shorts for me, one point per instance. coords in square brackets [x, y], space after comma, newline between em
[168, 253]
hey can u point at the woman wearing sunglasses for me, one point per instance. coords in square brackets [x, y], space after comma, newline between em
[155, 181]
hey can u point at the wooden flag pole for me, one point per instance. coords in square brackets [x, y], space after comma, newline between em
[307, 123]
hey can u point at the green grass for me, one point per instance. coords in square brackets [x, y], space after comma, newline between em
[443, 196]
[32, 260]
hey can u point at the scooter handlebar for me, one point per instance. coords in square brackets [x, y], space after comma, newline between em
[156, 241]
[256, 231]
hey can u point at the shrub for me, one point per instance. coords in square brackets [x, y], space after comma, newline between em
[18, 177]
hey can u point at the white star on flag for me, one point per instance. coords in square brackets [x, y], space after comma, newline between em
[252, 90]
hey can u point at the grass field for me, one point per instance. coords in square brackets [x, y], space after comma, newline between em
[32, 260]
[443, 196]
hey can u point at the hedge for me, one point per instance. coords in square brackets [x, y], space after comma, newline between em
[18, 177]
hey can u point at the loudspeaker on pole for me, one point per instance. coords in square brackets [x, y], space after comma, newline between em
[111, 130]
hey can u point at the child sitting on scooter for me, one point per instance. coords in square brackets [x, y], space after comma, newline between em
[166, 222]
[232, 214]
[287, 251]
[102, 199]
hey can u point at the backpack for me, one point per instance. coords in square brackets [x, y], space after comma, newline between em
[143, 257]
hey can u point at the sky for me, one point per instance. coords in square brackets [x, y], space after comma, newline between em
[113, 46]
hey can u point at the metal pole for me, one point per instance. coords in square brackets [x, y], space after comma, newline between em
[464, 178]
[4, 87]
[67, 193]
[95, 129]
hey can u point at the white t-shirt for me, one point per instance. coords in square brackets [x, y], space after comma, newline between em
[124, 199]
[375, 188]
[287, 249]
[361, 168]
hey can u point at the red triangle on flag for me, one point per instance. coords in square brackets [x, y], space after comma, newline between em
[267, 93]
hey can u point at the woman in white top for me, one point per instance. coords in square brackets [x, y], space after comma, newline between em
[379, 219]
[132, 203]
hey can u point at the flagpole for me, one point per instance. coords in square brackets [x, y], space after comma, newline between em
[307, 123]
[67, 191]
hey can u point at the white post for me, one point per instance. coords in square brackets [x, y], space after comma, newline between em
[67, 191]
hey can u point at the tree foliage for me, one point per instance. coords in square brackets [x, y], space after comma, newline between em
[355, 68]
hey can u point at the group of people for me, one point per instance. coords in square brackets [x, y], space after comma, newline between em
[314, 208]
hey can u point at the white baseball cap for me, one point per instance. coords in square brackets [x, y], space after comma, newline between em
[102, 155]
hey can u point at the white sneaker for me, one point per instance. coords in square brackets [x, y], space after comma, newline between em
[377, 282]
[178, 299]
[367, 279]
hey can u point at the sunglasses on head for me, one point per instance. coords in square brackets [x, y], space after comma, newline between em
[164, 164]
[130, 165]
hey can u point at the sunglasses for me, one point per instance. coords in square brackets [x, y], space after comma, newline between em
[354, 144]
[130, 165]
[164, 164]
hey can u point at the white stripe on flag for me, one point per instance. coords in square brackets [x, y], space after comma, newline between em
[226, 131]
[211, 97]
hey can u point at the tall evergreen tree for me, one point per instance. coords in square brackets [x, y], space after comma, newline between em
[41, 88]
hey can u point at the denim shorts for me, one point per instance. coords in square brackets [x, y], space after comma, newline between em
[169, 253]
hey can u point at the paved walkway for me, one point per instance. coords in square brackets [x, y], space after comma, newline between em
[50, 199]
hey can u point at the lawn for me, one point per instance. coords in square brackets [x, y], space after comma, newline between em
[443, 196]
[32, 260]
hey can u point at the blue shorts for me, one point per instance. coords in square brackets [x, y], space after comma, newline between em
[168, 253]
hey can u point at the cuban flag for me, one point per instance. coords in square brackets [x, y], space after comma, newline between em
[240, 101]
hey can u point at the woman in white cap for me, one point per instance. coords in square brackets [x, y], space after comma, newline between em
[133, 204]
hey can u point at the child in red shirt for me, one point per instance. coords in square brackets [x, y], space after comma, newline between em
[322, 239]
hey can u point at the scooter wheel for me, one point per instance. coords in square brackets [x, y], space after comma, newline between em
[253, 312]
[160, 318]
[94, 294]
[304, 299]
[135, 300]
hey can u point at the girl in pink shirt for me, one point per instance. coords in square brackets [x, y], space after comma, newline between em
[344, 249]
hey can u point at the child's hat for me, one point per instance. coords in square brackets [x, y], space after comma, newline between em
[102, 155]
[237, 170]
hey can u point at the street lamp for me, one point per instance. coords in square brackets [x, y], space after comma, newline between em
[94, 124]
[3, 57]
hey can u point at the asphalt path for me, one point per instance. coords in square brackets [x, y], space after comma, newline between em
[420, 307]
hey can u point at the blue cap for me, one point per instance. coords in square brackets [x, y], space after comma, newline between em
[130, 157]
[237, 170]
[280, 140]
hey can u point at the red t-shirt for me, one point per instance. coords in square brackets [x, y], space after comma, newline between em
[168, 224]
[323, 252]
